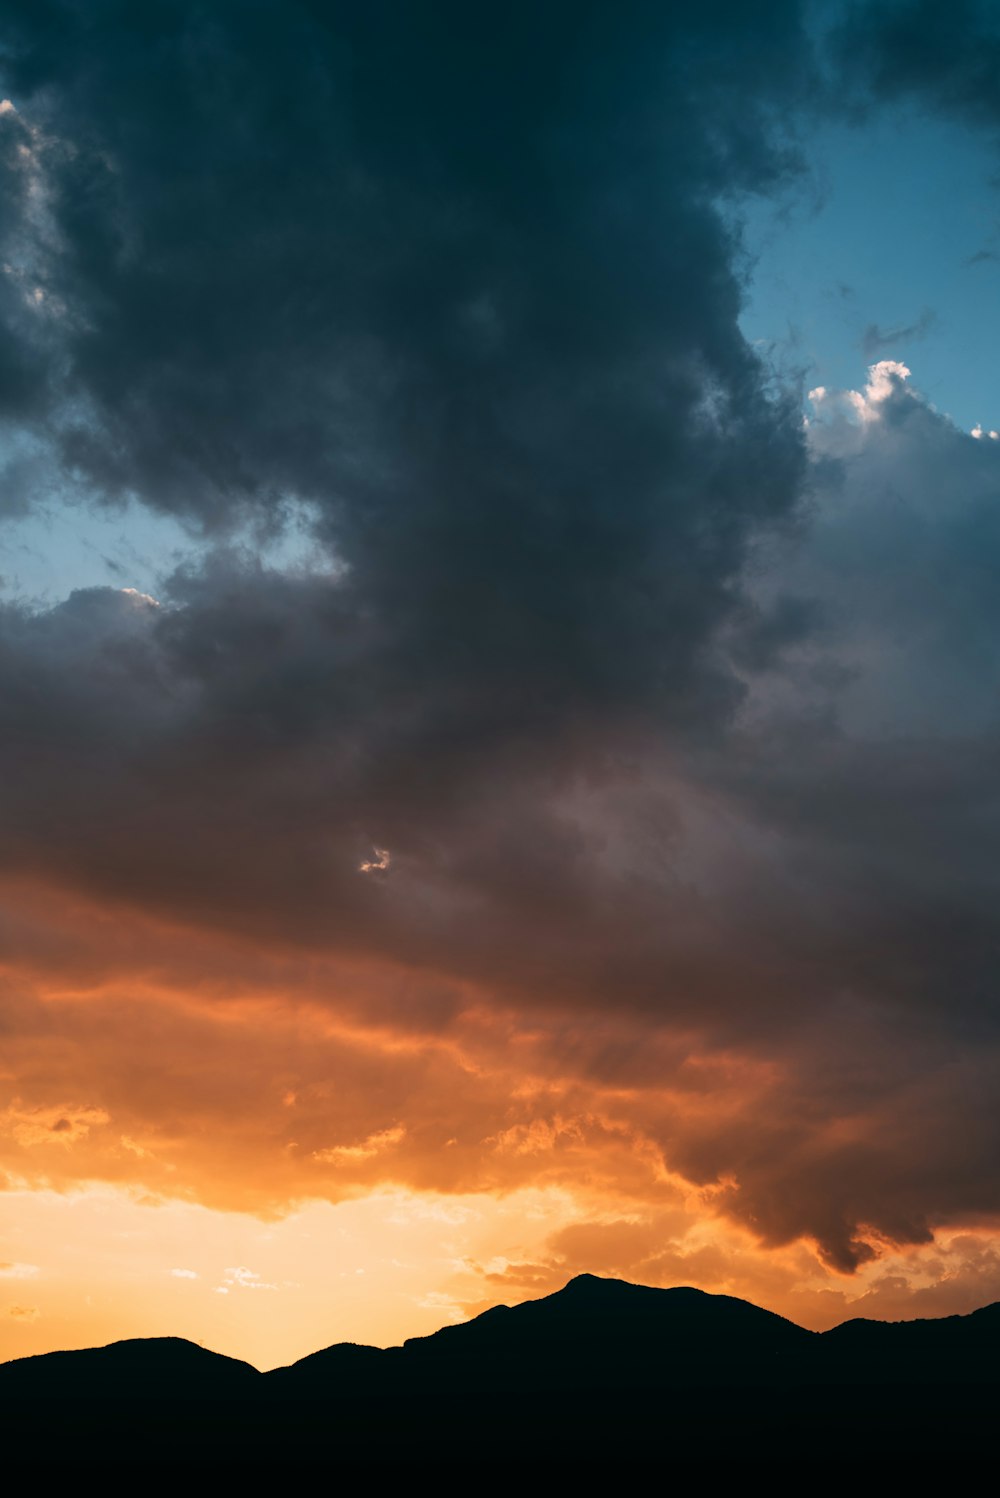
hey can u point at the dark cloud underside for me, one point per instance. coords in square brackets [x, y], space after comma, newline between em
[463, 287]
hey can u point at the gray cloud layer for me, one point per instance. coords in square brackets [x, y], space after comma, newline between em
[657, 710]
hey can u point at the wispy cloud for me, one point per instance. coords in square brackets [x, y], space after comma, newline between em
[876, 340]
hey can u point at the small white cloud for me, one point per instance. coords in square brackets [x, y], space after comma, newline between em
[246, 1279]
[18, 1271]
[184, 1274]
[883, 379]
[378, 864]
[6, 107]
[838, 412]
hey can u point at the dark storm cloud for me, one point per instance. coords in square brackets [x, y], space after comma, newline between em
[870, 756]
[464, 289]
[367, 256]
[945, 56]
[461, 285]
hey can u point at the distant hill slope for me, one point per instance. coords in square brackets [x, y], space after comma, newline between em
[593, 1337]
[952, 1350]
[143, 1368]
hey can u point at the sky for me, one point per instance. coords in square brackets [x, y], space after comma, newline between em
[499, 684]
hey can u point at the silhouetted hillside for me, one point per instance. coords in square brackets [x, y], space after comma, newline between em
[592, 1335]
[142, 1368]
[947, 1349]
[599, 1366]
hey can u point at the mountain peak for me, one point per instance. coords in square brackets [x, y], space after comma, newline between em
[590, 1282]
[596, 1284]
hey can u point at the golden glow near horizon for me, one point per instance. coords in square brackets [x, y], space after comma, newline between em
[210, 1141]
[103, 1263]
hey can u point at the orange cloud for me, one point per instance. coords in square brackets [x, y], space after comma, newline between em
[254, 1080]
[61, 1124]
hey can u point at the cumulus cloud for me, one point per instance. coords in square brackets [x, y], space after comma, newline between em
[894, 564]
[885, 379]
[746, 965]
[677, 717]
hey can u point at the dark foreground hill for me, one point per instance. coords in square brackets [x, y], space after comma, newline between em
[592, 1335]
[600, 1371]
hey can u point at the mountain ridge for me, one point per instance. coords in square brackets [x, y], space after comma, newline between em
[585, 1306]
[597, 1374]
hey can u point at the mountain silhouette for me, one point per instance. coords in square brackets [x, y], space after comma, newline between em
[614, 1362]
[958, 1350]
[594, 1334]
[141, 1368]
